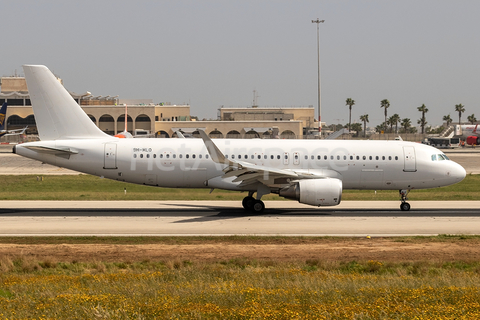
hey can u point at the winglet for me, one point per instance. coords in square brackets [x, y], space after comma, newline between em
[3, 115]
[215, 153]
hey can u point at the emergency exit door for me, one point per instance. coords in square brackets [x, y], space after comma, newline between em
[409, 162]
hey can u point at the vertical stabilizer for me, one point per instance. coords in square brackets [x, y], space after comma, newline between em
[57, 114]
[3, 116]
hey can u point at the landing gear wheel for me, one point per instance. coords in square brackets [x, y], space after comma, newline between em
[405, 206]
[258, 206]
[248, 203]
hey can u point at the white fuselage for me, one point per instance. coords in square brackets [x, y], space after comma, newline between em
[186, 163]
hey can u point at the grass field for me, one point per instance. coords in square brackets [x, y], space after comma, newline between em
[238, 289]
[86, 187]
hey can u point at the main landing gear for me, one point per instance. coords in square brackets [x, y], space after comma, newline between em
[252, 204]
[404, 206]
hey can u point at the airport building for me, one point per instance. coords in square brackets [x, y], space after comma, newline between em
[163, 119]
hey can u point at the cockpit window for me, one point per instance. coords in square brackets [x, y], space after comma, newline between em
[445, 156]
[434, 157]
[441, 157]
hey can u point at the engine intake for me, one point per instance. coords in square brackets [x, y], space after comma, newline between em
[315, 192]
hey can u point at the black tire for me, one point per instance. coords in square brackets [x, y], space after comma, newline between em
[248, 202]
[258, 206]
[404, 206]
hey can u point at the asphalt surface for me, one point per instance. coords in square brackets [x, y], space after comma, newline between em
[288, 218]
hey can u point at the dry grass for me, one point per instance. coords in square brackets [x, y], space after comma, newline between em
[238, 289]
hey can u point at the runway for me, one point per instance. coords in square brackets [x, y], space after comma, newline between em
[202, 218]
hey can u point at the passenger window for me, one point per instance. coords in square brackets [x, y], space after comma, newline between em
[259, 157]
[389, 157]
[319, 157]
[226, 156]
[193, 156]
[148, 155]
[252, 156]
[396, 157]
[180, 156]
[383, 157]
[246, 156]
[331, 158]
[358, 157]
[154, 155]
[313, 157]
[233, 156]
[168, 156]
[377, 158]
[264, 156]
[271, 156]
[187, 156]
[325, 157]
[174, 156]
[338, 157]
[370, 158]
[161, 156]
[364, 157]
[200, 156]
[351, 157]
[306, 157]
[206, 156]
[134, 155]
[278, 157]
[141, 155]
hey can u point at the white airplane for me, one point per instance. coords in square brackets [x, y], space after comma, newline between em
[314, 172]
[469, 132]
[3, 117]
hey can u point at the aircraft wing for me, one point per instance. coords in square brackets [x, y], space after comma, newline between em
[248, 173]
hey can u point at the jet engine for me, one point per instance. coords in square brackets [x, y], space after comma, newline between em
[473, 140]
[315, 192]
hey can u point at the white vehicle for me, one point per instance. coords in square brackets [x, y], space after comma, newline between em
[314, 172]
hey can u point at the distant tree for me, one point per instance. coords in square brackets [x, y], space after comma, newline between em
[364, 118]
[471, 118]
[385, 104]
[394, 120]
[460, 108]
[350, 102]
[406, 123]
[380, 128]
[422, 121]
[357, 127]
[447, 119]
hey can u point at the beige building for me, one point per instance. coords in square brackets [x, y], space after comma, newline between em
[162, 120]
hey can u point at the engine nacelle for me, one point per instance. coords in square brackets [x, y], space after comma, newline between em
[473, 140]
[315, 192]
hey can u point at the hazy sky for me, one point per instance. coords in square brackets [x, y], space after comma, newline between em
[213, 53]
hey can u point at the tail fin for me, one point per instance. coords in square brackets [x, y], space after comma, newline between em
[57, 114]
[3, 116]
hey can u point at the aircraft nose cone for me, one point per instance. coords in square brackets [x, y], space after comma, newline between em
[457, 172]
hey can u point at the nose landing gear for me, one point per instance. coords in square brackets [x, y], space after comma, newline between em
[404, 206]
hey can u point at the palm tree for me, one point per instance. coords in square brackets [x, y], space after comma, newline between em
[350, 102]
[406, 123]
[423, 121]
[394, 121]
[460, 108]
[364, 118]
[385, 104]
[357, 127]
[447, 119]
[472, 119]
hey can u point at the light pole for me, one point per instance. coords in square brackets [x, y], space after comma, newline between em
[318, 56]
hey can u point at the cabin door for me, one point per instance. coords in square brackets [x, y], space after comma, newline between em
[409, 161]
[110, 156]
